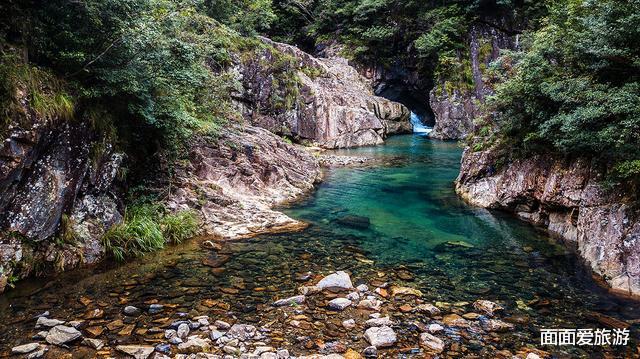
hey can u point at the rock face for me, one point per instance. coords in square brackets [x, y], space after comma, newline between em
[455, 105]
[55, 176]
[565, 197]
[335, 106]
[235, 182]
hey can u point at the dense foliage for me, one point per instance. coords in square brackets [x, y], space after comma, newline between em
[575, 90]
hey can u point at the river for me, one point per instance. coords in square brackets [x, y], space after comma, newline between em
[394, 221]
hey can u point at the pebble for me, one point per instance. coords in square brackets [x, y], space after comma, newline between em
[283, 354]
[96, 344]
[435, 328]
[339, 303]
[194, 345]
[25, 348]
[432, 343]
[380, 337]
[429, 309]
[362, 288]
[48, 323]
[131, 311]
[370, 352]
[370, 304]
[242, 331]
[219, 324]
[183, 331]
[349, 324]
[61, 334]
[337, 280]
[378, 322]
[298, 299]
[487, 307]
[215, 334]
[156, 308]
[136, 351]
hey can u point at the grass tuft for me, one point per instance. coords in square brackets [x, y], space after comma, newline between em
[146, 228]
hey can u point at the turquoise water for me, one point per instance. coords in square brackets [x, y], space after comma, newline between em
[397, 220]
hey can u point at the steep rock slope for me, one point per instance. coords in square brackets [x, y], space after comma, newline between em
[566, 198]
[455, 103]
[335, 106]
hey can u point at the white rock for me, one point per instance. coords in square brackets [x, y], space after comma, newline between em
[61, 334]
[283, 354]
[215, 334]
[136, 351]
[242, 332]
[24, 348]
[339, 303]
[435, 328]
[362, 288]
[183, 331]
[195, 345]
[432, 343]
[370, 304]
[269, 356]
[487, 307]
[337, 280]
[298, 299]
[263, 349]
[380, 337]
[48, 323]
[378, 322]
[349, 324]
[533, 356]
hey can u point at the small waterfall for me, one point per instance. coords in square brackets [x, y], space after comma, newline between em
[418, 127]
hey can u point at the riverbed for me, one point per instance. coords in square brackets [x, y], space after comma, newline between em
[394, 222]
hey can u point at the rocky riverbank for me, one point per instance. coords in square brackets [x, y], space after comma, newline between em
[332, 316]
[62, 183]
[566, 198]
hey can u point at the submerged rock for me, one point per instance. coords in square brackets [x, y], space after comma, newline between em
[46, 322]
[380, 337]
[298, 299]
[432, 343]
[61, 334]
[353, 221]
[487, 307]
[136, 351]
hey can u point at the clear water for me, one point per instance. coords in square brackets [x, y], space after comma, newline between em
[400, 214]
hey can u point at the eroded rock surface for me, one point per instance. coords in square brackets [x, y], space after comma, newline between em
[336, 107]
[567, 199]
[235, 182]
[56, 176]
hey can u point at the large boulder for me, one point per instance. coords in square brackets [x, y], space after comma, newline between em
[235, 181]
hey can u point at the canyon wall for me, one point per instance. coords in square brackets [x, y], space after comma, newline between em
[456, 103]
[566, 197]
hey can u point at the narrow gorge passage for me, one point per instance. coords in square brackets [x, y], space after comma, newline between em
[394, 222]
